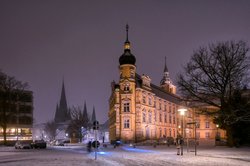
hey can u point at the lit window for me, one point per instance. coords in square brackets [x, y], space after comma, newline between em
[150, 101]
[207, 124]
[126, 123]
[155, 116]
[126, 87]
[207, 135]
[170, 107]
[197, 135]
[143, 99]
[198, 124]
[144, 116]
[126, 107]
[149, 117]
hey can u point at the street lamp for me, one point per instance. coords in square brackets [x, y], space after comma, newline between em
[217, 133]
[182, 113]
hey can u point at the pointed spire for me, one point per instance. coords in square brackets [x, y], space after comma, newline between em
[62, 112]
[165, 67]
[127, 43]
[127, 27]
[93, 115]
[85, 112]
[166, 78]
[57, 113]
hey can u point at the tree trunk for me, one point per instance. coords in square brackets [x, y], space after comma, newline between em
[4, 135]
[230, 139]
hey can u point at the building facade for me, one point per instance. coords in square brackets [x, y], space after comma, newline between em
[140, 110]
[19, 114]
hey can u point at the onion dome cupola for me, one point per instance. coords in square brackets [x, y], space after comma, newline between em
[127, 57]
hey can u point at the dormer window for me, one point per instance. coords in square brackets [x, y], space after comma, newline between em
[126, 87]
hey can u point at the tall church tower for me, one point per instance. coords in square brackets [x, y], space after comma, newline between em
[166, 82]
[62, 113]
[127, 86]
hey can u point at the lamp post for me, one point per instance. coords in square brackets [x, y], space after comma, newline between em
[217, 133]
[182, 113]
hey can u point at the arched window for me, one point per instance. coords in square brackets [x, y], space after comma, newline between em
[150, 117]
[144, 116]
[126, 107]
[126, 87]
[160, 119]
[126, 123]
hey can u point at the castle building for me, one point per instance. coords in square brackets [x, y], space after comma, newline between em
[140, 110]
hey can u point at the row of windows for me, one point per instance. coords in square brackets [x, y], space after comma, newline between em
[171, 107]
[162, 117]
[207, 124]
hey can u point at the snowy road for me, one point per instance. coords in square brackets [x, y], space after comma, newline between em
[124, 156]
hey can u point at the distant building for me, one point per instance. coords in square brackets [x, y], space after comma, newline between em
[19, 123]
[62, 114]
[140, 110]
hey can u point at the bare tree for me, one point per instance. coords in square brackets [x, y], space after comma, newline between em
[11, 91]
[79, 121]
[51, 129]
[212, 76]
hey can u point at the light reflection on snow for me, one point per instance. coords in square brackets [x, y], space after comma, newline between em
[138, 150]
[103, 153]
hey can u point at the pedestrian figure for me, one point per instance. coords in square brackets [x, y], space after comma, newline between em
[178, 145]
[89, 146]
[154, 144]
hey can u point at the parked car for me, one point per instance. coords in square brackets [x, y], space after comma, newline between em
[61, 142]
[23, 145]
[41, 144]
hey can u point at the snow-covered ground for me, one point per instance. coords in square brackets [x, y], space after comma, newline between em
[124, 156]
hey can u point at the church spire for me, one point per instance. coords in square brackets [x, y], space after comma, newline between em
[62, 112]
[93, 115]
[165, 67]
[166, 78]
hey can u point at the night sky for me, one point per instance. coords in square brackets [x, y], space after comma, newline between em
[42, 42]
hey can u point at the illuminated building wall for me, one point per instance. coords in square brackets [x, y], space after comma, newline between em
[19, 119]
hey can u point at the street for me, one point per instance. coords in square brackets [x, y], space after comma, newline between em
[123, 155]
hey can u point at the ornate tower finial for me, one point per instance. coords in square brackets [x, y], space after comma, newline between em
[165, 67]
[127, 43]
[127, 27]
[127, 57]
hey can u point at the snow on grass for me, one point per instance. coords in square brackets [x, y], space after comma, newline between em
[124, 156]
